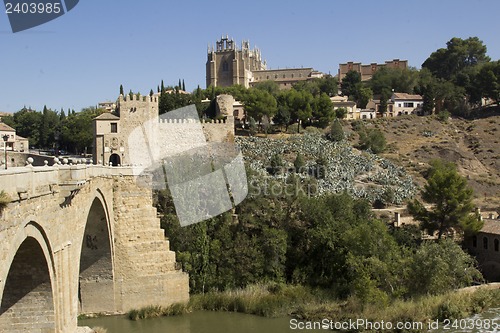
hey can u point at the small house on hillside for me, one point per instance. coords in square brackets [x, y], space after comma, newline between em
[485, 246]
[350, 106]
[407, 104]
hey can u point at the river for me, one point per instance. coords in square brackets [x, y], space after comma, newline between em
[222, 322]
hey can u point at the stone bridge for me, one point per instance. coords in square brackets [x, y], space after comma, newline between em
[80, 239]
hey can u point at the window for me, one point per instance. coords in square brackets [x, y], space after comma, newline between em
[268, 77]
[284, 75]
[485, 243]
[408, 104]
[275, 76]
[225, 66]
[114, 127]
[496, 245]
[474, 241]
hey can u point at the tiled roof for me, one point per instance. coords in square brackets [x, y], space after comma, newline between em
[406, 96]
[107, 116]
[6, 128]
[491, 227]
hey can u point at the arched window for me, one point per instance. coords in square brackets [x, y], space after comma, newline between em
[474, 241]
[496, 245]
[485, 243]
[225, 66]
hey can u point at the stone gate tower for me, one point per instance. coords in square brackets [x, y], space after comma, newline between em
[228, 65]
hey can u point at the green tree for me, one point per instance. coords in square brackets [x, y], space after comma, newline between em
[259, 103]
[282, 117]
[336, 132]
[269, 86]
[393, 79]
[384, 97]
[362, 95]
[447, 63]
[451, 200]
[349, 82]
[28, 123]
[299, 163]
[328, 85]
[372, 139]
[323, 110]
[340, 113]
[183, 85]
[121, 90]
[275, 164]
[446, 267]
[488, 81]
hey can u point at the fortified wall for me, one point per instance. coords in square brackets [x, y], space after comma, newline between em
[112, 133]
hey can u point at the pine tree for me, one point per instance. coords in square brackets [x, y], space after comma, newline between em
[451, 200]
[121, 90]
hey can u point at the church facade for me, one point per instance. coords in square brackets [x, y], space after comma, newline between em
[228, 65]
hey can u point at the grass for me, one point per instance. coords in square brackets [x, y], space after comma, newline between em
[278, 300]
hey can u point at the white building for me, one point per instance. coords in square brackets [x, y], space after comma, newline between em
[407, 104]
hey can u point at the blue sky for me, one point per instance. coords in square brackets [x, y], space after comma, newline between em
[82, 57]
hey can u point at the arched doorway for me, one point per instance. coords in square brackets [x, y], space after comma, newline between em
[114, 159]
[27, 301]
[96, 287]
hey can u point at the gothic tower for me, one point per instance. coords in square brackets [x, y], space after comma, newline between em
[228, 65]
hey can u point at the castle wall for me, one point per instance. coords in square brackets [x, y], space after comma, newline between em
[144, 136]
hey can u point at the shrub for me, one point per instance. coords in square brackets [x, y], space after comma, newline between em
[374, 140]
[336, 131]
[443, 116]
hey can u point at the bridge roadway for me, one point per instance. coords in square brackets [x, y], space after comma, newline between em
[80, 239]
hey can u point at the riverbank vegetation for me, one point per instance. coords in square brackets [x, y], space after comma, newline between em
[308, 304]
[331, 242]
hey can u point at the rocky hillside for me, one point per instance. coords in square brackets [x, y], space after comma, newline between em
[473, 145]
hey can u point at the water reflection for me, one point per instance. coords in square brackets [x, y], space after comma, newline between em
[198, 322]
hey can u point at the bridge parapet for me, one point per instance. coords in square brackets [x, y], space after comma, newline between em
[28, 182]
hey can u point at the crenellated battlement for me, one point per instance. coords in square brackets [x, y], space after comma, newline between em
[135, 98]
[197, 121]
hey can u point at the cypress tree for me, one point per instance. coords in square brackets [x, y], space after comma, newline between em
[162, 87]
[151, 92]
[121, 89]
[336, 131]
[179, 85]
[183, 85]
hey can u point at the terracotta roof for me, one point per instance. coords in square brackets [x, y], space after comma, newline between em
[6, 128]
[491, 227]
[406, 96]
[107, 116]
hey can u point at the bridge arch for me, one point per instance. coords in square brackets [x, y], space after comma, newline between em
[28, 292]
[96, 266]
